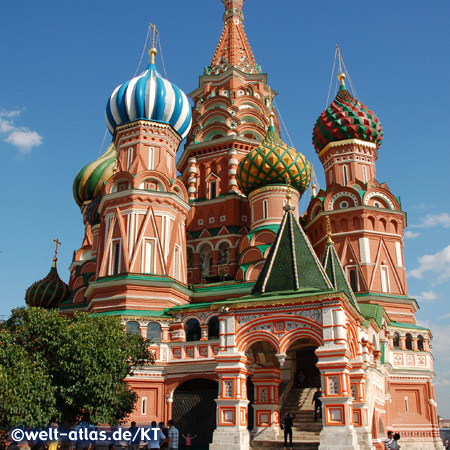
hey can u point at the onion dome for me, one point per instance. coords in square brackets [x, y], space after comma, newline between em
[271, 162]
[149, 96]
[90, 179]
[92, 214]
[49, 292]
[346, 118]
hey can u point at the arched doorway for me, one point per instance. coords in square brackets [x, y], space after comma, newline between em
[302, 354]
[194, 410]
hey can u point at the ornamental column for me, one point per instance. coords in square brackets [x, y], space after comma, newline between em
[266, 405]
[192, 181]
[360, 405]
[232, 168]
[232, 404]
[334, 364]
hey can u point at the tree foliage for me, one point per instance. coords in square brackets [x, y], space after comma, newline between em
[55, 368]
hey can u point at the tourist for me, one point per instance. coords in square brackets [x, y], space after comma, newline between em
[85, 422]
[160, 438]
[394, 444]
[301, 379]
[189, 440]
[388, 441]
[287, 424]
[165, 431]
[173, 435]
[317, 403]
[134, 441]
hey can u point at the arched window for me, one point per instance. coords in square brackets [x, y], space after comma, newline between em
[265, 209]
[420, 343]
[205, 260]
[408, 342]
[132, 328]
[213, 328]
[154, 332]
[353, 283]
[192, 329]
[396, 341]
[212, 189]
[224, 253]
[190, 258]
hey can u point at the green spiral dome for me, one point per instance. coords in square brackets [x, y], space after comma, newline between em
[49, 292]
[90, 179]
[270, 163]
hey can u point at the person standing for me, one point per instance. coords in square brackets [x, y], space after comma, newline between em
[165, 431]
[189, 440]
[134, 441]
[388, 441]
[394, 444]
[173, 436]
[160, 438]
[317, 403]
[288, 423]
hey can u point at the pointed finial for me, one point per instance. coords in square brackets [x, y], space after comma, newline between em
[341, 74]
[152, 52]
[329, 231]
[288, 206]
[271, 114]
[56, 241]
[313, 191]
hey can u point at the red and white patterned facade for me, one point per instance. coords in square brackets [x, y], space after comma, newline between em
[167, 249]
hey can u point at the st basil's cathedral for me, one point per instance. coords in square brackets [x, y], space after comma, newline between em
[248, 306]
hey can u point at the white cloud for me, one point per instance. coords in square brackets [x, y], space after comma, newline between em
[434, 220]
[411, 234]
[438, 264]
[21, 137]
[24, 139]
[426, 296]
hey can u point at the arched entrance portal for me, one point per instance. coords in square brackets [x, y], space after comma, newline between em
[303, 360]
[194, 410]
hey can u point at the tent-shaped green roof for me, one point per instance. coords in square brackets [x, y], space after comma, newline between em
[335, 272]
[291, 263]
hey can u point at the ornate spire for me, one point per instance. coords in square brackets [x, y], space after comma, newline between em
[329, 231]
[333, 268]
[233, 49]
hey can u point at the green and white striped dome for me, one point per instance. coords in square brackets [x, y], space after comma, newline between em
[90, 179]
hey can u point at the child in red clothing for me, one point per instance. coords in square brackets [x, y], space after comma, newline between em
[189, 440]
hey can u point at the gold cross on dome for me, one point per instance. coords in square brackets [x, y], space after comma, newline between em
[56, 241]
[155, 32]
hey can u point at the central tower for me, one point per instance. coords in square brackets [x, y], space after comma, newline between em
[229, 119]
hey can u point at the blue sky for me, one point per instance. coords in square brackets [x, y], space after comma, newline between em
[61, 59]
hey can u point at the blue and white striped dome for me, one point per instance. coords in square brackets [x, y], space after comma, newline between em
[149, 96]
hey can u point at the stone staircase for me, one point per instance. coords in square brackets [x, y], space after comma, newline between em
[306, 432]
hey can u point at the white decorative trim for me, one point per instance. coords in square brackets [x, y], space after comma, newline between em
[342, 194]
[378, 194]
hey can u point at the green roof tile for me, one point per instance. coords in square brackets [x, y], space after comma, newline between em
[291, 263]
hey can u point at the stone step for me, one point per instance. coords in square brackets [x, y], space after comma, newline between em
[269, 445]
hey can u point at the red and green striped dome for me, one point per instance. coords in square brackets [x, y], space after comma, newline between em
[346, 118]
[270, 163]
[49, 292]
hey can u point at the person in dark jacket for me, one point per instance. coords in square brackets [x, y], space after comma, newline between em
[288, 422]
[317, 403]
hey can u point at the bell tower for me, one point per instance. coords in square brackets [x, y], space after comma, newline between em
[366, 218]
[138, 223]
[229, 119]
